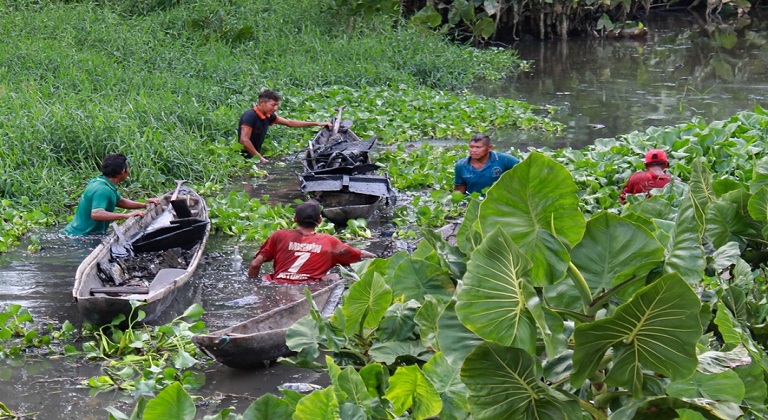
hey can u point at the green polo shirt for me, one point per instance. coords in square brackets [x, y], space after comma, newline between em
[100, 193]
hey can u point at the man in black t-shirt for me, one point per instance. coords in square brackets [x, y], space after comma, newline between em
[255, 122]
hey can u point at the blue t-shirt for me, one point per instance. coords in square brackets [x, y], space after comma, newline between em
[478, 179]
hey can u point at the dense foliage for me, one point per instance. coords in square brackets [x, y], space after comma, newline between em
[509, 20]
[549, 308]
[165, 82]
[579, 307]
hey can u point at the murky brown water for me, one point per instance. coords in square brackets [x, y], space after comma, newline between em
[602, 88]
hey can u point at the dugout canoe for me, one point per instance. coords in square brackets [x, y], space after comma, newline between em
[260, 340]
[148, 259]
[340, 175]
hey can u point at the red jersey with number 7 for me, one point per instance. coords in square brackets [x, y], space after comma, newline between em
[298, 257]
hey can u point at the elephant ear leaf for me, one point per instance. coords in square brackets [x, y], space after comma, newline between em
[537, 205]
[614, 250]
[491, 299]
[656, 330]
[469, 236]
[503, 383]
[366, 303]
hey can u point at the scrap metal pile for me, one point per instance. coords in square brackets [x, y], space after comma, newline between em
[340, 175]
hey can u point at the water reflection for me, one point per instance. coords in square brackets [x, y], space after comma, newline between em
[602, 88]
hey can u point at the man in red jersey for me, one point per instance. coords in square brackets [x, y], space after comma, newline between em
[654, 175]
[301, 254]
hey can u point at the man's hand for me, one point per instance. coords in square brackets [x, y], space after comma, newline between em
[134, 213]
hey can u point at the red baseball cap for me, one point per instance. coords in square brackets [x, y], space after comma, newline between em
[656, 155]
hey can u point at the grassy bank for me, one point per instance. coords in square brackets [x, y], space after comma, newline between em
[166, 85]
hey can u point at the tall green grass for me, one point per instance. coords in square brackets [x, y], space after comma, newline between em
[164, 81]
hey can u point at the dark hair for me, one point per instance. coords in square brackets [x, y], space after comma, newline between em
[307, 214]
[113, 165]
[267, 95]
[480, 138]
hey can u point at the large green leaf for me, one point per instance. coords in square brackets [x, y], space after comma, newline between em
[723, 386]
[426, 318]
[319, 405]
[654, 408]
[366, 303]
[398, 322]
[614, 250]
[469, 235]
[657, 330]
[426, 251]
[756, 388]
[491, 301]
[446, 379]
[759, 176]
[441, 330]
[536, 204]
[414, 279]
[721, 361]
[702, 191]
[564, 296]
[268, 407]
[429, 16]
[375, 376]
[758, 205]
[724, 223]
[685, 255]
[303, 337]
[734, 334]
[504, 383]
[171, 403]
[409, 388]
[389, 351]
[348, 383]
[452, 257]
[453, 338]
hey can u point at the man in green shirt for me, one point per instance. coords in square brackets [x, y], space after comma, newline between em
[96, 208]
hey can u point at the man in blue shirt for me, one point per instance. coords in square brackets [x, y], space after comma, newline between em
[482, 167]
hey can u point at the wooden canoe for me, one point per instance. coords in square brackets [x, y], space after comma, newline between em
[149, 259]
[259, 340]
[340, 175]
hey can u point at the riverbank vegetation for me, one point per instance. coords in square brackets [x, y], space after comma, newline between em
[511, 20]
[166, 85]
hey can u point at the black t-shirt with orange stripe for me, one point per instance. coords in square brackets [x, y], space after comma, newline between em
[259, 123]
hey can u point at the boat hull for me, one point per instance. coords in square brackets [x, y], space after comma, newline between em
[259, 340]
[164, 287]
[341, 177]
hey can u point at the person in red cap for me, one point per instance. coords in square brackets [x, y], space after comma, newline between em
[654, 175]
[303, 255]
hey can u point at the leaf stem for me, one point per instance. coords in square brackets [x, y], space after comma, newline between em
[581, 286]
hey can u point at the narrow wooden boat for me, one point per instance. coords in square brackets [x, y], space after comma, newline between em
[148, 259]
[259, 340]
[340, 175]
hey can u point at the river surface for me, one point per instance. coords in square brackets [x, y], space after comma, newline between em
[602, 88]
